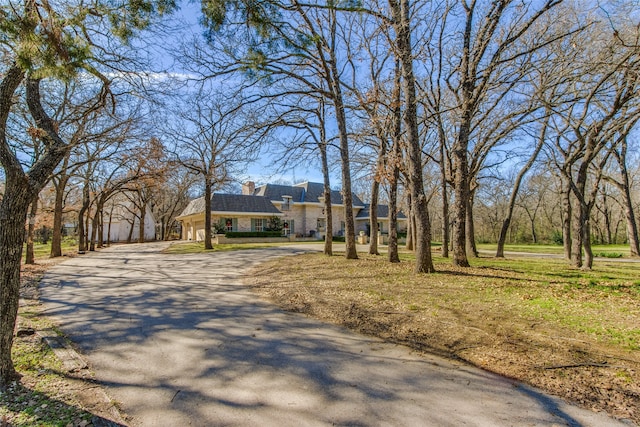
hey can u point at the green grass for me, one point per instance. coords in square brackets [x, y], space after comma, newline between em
[609, 251]
[41, 250]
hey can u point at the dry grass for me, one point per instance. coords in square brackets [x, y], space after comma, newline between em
[575, 334]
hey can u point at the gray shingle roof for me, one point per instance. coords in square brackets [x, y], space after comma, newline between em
[303, 192]
[233, 203]
[194, 207]
[383, 212]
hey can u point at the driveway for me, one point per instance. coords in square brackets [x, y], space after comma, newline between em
[178, 340]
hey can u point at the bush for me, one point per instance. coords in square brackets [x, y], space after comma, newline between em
[234, 234]
[608, 254]
[557, 237]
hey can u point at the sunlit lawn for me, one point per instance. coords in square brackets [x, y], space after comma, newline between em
[614, 251]
[43, 250]
[603, 303]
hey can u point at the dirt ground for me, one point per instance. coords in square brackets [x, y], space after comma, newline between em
[559, 361]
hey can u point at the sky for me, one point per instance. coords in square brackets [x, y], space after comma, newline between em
[264, 169]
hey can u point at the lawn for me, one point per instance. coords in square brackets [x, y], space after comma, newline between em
[571, 332]
[607, 251]
[43, 250]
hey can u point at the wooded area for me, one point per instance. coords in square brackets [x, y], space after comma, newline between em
[483, 121]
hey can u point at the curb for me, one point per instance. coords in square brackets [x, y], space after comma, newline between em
[73, 362]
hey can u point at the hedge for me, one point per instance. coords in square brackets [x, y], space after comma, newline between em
[233, 234]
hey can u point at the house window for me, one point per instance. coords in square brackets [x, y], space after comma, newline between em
[258, 224]
[228, 225]
[320, 224]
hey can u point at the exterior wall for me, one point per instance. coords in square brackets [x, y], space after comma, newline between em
[120, 228]
[305, 219]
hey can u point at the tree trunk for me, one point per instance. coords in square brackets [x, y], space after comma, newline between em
[410, 225]
[606, 214]
[56, 237]
[445, 213]
[347, 196]
[82, 231]
[130, 235]
[59, 184]
[95, 227]
[532, 221]
[586, 240]
[30, 257]
[632, 226]
[577, 236]
[461, 186]
[20, 189]
[13, 215]
[392, 248]
[567, 215]
[424, 262]
[472, 250]
[109, 225]
[328, 214]
[373, 217]
[207, 214]
[143, 213]
[101, 239]
[625, 189]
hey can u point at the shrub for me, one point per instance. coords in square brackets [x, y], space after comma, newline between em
[234, 234]
[608, 254]
[557, 237]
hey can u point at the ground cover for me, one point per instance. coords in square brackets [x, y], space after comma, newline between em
[572, 333]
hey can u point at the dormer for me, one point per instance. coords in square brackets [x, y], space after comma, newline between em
[286, 203]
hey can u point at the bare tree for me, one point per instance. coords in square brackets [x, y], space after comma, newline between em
[215, 135]
[491, 42]
[605, 111]
[623, 183]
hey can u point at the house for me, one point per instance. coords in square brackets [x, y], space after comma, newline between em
[299, 207]
[121, 222]
[362, 220]
[234, 212]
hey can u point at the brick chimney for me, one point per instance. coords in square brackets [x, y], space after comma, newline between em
[248, 188]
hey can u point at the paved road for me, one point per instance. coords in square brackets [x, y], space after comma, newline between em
[178, 341]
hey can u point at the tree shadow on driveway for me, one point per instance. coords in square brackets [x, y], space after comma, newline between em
[178, 340]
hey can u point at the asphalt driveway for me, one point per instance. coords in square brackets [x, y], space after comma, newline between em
[178, 340]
